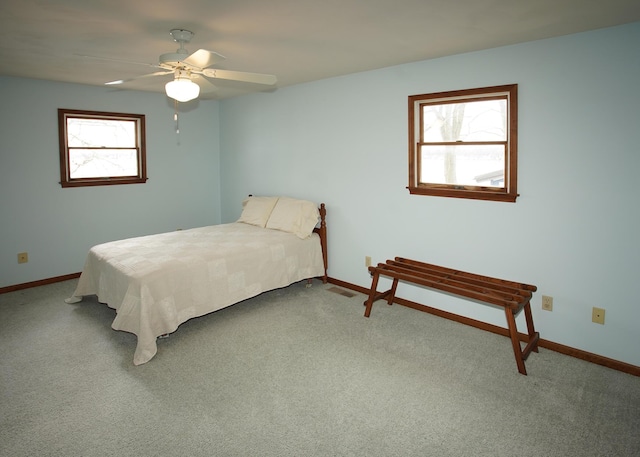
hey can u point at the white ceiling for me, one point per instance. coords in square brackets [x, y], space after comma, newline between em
[296, 40]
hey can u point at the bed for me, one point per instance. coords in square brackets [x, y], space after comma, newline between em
[157, 282]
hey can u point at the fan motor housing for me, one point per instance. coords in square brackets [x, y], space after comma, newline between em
[173, 58]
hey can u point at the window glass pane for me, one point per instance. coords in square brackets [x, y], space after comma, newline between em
[98, 163]
[464, 165]
[101, 133]
[483, 120]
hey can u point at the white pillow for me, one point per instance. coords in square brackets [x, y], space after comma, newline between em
[295, 216]
[256, 210]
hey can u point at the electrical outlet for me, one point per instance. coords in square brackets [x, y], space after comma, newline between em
[367, 261]
[547, 303]
[23, 257]
[597, 315]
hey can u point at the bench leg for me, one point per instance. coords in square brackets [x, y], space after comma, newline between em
[372, 294]
[515, 341]
[392, 291]
[533, 335]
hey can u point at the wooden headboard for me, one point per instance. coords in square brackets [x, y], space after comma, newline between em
[322, 231]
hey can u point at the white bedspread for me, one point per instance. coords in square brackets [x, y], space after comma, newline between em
[157, 282]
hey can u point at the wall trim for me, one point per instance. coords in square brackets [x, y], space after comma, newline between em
[552, 346]
[42, 282]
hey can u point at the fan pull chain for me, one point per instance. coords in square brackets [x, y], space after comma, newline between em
[175, 118]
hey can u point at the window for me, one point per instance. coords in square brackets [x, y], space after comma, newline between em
[464, 143]
[98, 149]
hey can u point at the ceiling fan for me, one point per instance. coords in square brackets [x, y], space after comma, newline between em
[192, 70]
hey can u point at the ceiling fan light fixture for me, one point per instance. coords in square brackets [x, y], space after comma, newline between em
[192, 70]
[182, 89]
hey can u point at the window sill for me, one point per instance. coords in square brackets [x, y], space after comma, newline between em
[464, 193]
[102, 182]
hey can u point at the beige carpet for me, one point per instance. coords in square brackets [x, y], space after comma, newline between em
[295, 372]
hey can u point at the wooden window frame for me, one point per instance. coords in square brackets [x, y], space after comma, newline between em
[509, 192]
[140, 146]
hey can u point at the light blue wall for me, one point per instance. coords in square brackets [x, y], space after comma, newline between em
[57, 226]
[343, 141]
[573, 231]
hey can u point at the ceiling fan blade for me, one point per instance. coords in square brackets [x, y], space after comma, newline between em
[205, 85]
[119, 60]
[122, 81]
[256, 78]
[203, 58]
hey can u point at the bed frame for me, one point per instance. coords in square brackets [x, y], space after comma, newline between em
[135, 311]
[322, 232]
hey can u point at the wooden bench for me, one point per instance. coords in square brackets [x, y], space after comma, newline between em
[512, 296]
